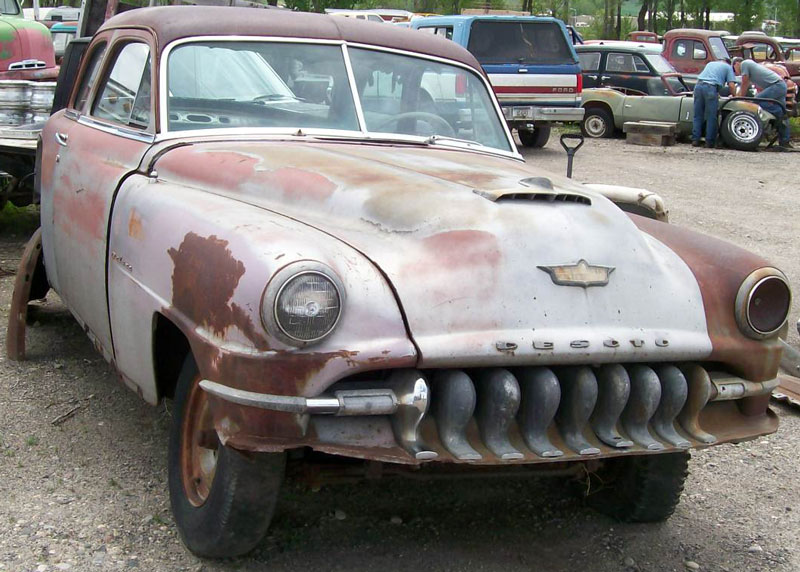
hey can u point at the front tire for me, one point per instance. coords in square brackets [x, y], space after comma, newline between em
[597, 123]
[644, 488]
[222, 499]
[537, 138]
[742, 130]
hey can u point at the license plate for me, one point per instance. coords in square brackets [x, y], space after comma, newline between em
[523, 113]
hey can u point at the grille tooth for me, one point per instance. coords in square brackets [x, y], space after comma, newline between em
[642, 405]
[699, 384]
[579, 395]
[541, 394]
[614, 387]
[454, 403]
[498, 403]
[673, 397]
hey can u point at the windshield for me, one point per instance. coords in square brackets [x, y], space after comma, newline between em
[266, 84]
[718, 47]
[659, 63]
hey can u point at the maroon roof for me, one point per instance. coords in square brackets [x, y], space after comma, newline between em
[174, 22]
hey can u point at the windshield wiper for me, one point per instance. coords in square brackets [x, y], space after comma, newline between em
[434, 139]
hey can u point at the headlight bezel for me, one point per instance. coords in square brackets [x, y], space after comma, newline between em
[747, 290]
[277, 285]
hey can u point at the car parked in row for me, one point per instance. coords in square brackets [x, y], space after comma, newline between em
[631, 67]
[689, 50]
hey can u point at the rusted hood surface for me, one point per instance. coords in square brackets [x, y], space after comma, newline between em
[462, 244]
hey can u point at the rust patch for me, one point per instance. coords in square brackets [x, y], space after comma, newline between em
[720, 268]
[204, 279]
[135, 225]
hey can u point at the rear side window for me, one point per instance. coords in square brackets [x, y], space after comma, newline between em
[10, 7]
[625, 63]
[680, 49]
[89, 77]
[590, 61]
[519, 43]
[124, 96]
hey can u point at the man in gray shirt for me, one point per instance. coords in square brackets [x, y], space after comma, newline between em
[770, 86]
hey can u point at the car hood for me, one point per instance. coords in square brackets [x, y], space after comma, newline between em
[471, 251]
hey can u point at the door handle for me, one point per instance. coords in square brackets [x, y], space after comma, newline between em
[61, 139]
[604, 77]
[592, 76]
[628, 105]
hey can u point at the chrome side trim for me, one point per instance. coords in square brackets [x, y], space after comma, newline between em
[116, 130]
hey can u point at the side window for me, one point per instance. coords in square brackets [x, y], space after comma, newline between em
[125, 93]
[590, 61]
[10, 8]
[428, 30]
[89, 77]
[619, 63]
[640, 66]
[699, 52]
[445, 32]
[680, 49]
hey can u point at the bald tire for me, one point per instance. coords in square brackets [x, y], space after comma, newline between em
[241, 501]
[643, 488]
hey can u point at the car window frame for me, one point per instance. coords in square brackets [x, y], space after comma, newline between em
[674, 51]
[164, 134]
[633, 57]
[599, 55]
[100, 43]
[704, 48]
[116, 42]
[111, 67]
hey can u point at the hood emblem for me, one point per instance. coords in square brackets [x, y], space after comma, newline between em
[580, 274]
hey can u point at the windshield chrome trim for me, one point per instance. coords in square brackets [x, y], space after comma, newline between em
[165, 135]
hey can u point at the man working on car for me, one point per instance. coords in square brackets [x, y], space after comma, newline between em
[770, 86]
[706, 99]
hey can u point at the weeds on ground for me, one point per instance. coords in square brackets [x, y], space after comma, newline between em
[31, 440]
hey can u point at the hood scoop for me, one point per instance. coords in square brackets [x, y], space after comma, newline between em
[534, 189]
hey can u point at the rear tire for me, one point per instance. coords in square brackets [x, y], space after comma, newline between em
[537, 138]
[742, 130]
[222, 499]
[597, 123]
[645, 488]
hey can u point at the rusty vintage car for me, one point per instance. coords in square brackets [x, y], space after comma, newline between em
[368, 282]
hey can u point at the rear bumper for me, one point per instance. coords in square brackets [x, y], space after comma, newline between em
[528, 113]
[493, 417]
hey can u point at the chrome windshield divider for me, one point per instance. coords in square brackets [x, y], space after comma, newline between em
[351, 78]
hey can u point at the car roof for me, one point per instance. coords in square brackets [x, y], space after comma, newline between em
[495, 17]
[694, 32]
[620, 46]
[170, 23]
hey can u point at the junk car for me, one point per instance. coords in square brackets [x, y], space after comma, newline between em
[371, 282]
[634, 68]
[743, 124]
[689, 50]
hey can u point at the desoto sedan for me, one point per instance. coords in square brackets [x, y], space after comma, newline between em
[316, 236]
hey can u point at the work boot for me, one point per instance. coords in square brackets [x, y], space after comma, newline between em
[710, 144]
[786, 145]
[696, 143]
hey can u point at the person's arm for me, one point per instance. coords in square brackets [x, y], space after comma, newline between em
[745, 85]
[732, 88]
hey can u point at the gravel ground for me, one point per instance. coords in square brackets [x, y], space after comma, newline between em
[89, 493]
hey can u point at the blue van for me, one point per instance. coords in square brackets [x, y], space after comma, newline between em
[530, 62]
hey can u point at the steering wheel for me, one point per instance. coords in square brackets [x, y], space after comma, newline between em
[438, 123]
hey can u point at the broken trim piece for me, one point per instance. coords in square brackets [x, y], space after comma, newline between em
[18, 314]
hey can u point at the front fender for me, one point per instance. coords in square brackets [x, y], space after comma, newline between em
[204, 260]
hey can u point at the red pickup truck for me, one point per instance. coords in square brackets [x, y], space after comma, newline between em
[689, 50]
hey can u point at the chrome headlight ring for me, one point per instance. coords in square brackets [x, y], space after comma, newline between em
[763, 303]
[302, 303]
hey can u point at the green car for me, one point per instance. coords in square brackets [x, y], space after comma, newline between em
[742, 122]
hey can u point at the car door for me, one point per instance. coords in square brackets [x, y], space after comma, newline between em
[89, 149]
[590, 68]
[652, 108]
[625, 70]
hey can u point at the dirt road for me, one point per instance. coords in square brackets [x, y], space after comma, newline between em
[89, 493]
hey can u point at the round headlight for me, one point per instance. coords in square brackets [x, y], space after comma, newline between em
[308, 306]
[302, 303]
[763, 303]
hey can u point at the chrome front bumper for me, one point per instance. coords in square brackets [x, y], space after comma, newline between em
[574, 411]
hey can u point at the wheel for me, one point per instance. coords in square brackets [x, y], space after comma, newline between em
[645, 488]
[222, 499]
[436, 121]
[597, 123]
[536, 138]
[742, 130]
